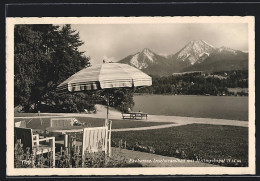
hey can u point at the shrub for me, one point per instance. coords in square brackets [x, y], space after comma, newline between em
[68, 158]
[31, 160]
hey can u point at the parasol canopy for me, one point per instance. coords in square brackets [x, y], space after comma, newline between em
[105, 76]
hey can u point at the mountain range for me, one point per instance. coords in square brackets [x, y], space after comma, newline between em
[197, 55]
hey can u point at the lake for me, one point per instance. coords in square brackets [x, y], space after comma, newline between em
[220, 107]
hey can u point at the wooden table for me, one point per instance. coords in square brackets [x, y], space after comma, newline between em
[65, 131]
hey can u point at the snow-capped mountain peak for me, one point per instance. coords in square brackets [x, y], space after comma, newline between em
[146, 50]
[194, 50]
[142, 59]
[149, 54]
[196, 55]
[134, 61]
[207, 43]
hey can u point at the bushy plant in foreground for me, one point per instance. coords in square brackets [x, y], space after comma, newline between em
[68, 158]
[31, 160]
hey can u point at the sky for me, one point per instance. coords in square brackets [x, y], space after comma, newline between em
[116, 41]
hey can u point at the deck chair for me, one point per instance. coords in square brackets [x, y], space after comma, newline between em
[62, 122]
[97, 139]
[28, 139]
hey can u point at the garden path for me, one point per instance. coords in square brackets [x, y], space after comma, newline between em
[175, 120]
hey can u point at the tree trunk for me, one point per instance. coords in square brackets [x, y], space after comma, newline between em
[35, 106]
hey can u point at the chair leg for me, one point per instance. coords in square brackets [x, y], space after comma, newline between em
[52, 144]
[110, 126]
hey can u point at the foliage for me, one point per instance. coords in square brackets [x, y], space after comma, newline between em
[216, 83]
[44, 56]
[120, 98]
[30, 159]
[222, 145]
[76, 102]
[18, 154]
[69, 158]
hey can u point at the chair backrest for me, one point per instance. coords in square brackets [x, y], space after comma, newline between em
[25, 134]
[61, 122]
[94, 139]
[21, 124]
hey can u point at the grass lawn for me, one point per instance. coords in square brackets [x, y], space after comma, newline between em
[35, 123]
[208, 143]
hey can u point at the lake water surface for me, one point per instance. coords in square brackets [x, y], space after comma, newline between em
[221, 107]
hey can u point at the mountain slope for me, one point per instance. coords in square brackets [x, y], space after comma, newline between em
[194, 51]
[195, 56]
[149, 62]
[222, 59]
[143, 59]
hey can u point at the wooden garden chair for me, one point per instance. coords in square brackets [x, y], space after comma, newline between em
[28, 139]
[97, 139]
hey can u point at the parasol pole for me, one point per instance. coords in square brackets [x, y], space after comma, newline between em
[108, 124]
[107, 107]
[107, 104]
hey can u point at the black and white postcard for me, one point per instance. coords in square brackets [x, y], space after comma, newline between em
[130, 95]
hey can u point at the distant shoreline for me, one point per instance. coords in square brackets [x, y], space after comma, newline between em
[146, 94]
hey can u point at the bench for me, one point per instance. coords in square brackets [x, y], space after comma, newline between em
[140, 115]
[127, 116]
[134, 115]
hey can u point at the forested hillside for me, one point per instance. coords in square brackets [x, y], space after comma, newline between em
[198, 83]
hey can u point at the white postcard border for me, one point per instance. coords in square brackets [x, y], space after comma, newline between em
[11, 171]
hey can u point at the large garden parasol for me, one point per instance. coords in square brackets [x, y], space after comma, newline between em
[105, 76]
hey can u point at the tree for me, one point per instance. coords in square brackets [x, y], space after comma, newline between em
[28, 55]
[120, 98]
[195, 84]
[44, 56]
